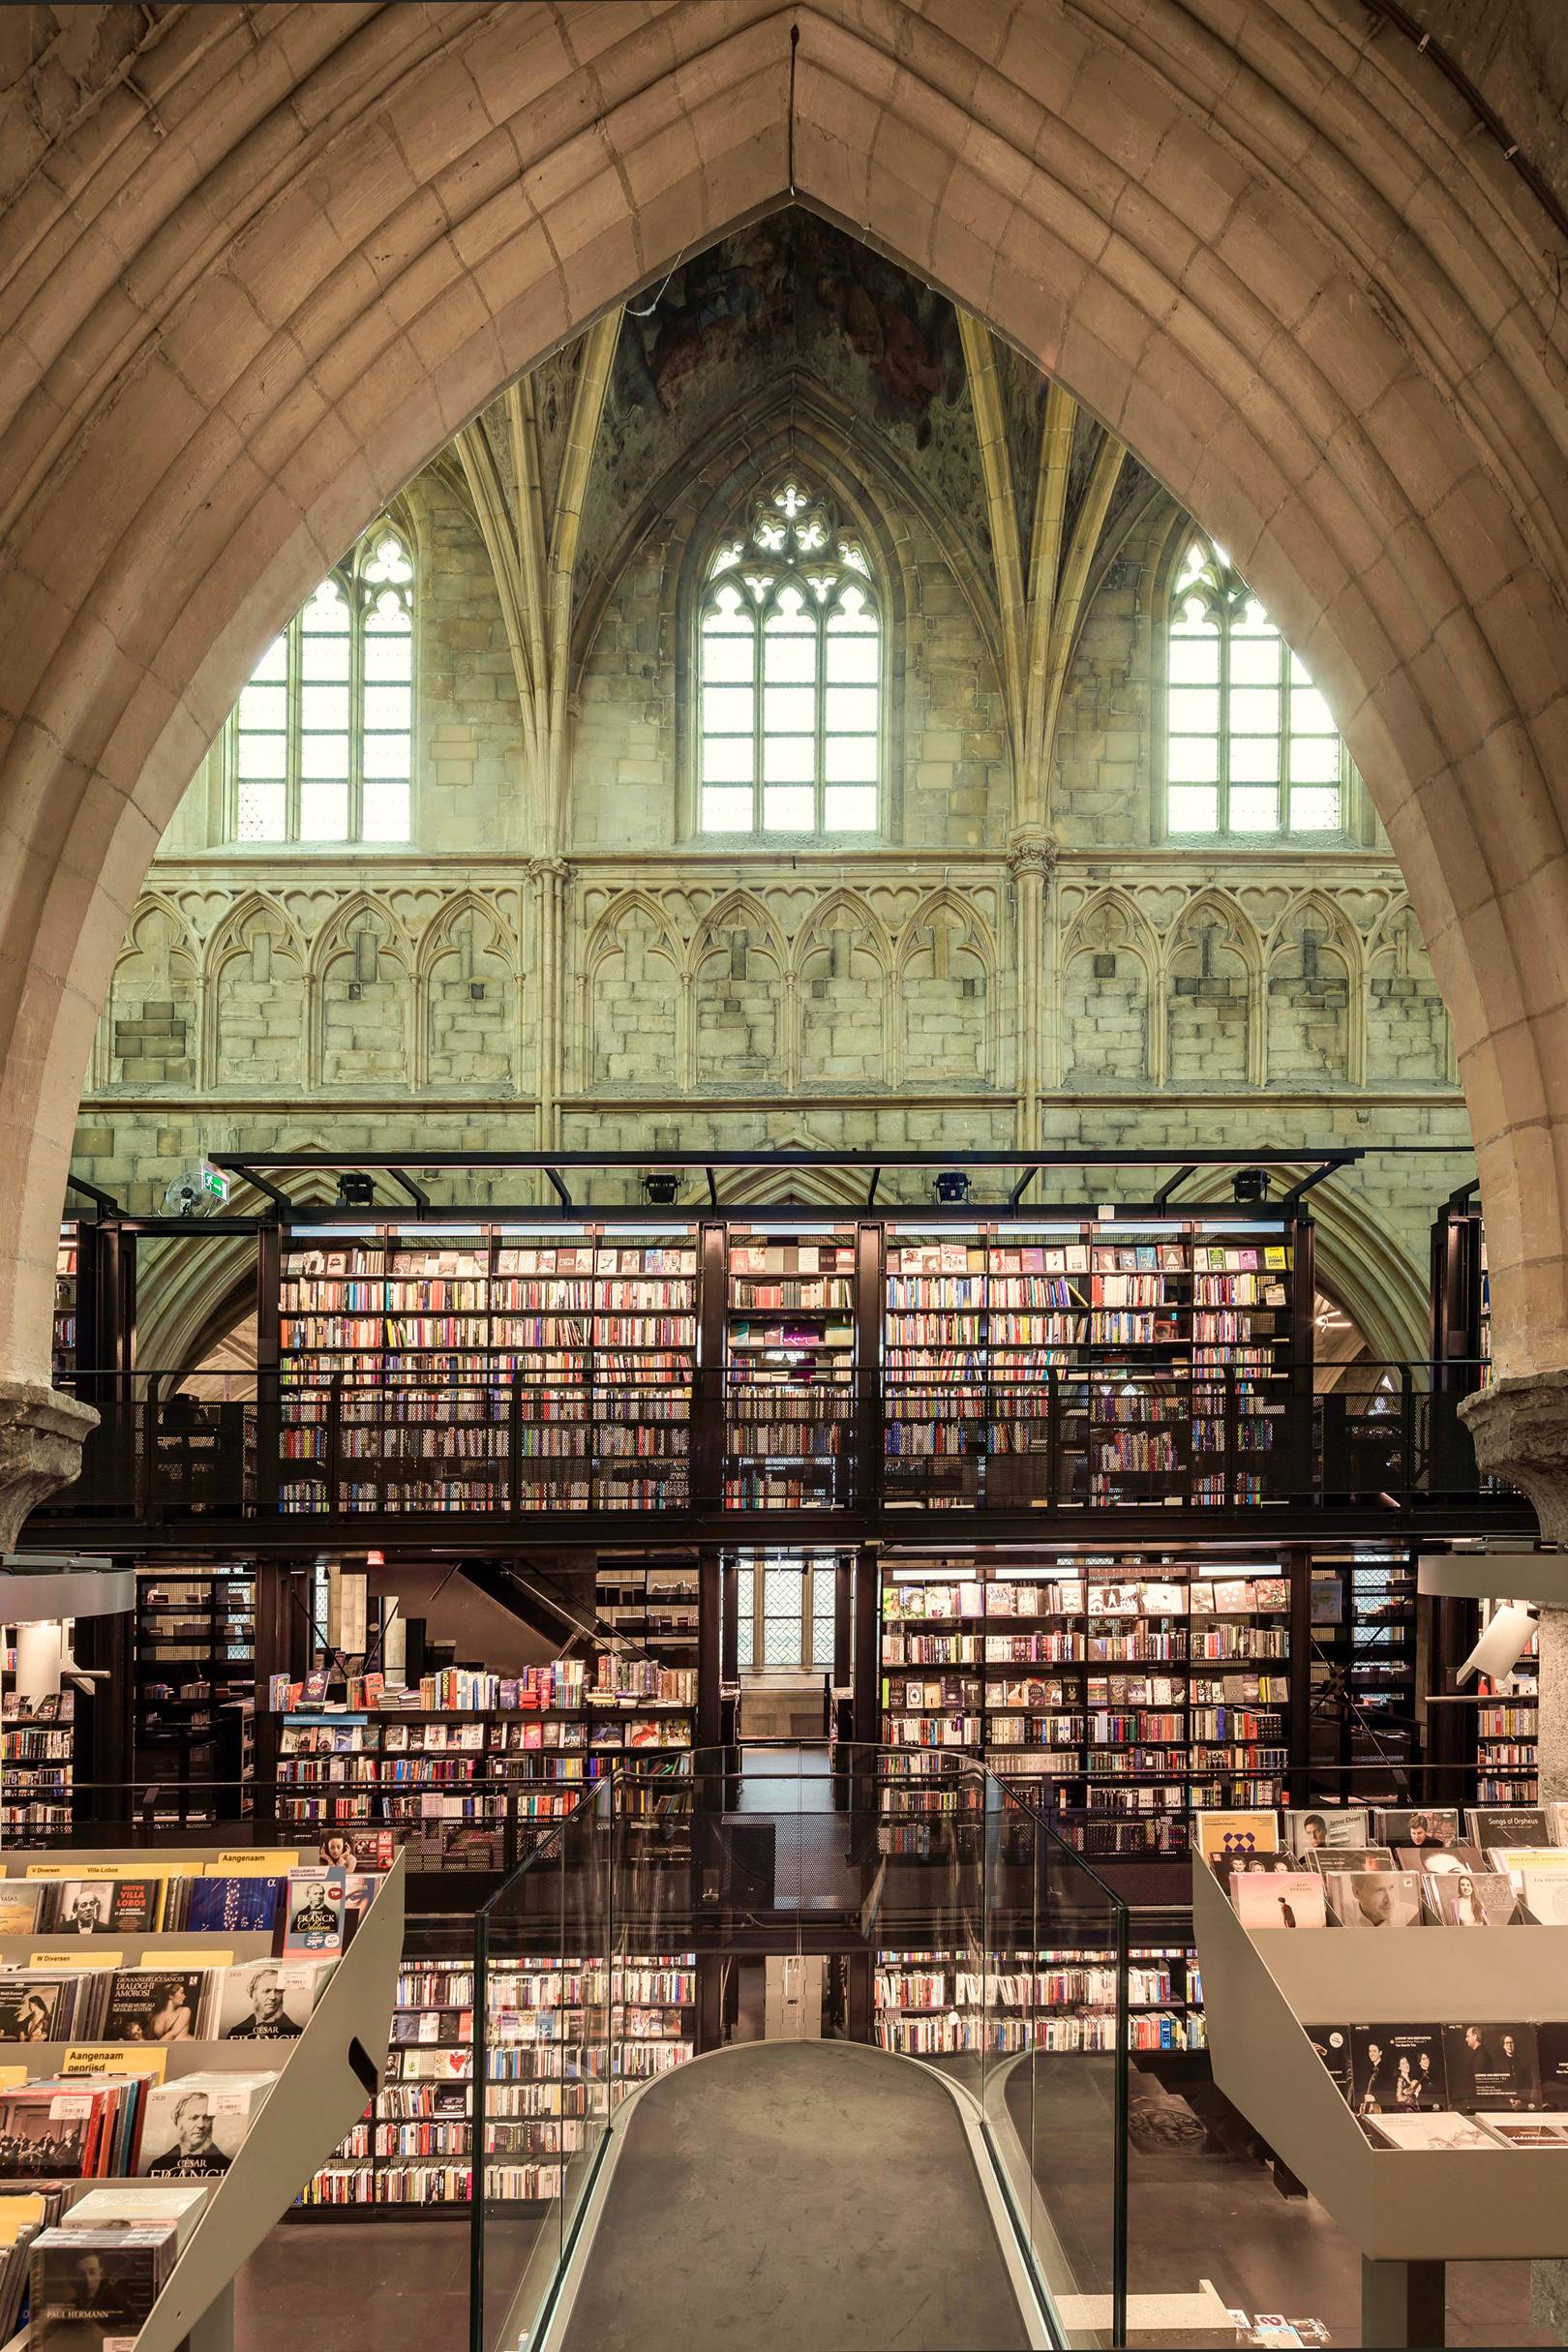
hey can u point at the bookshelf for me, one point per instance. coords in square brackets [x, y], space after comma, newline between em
[790, 1360]
[1506, 1727]
[476, 1787]
[1362, 1675]
[940, 2005]
[1121, 1694]
[487, 1367]
[36, 1764]
[651, 1602]
[67, 1275]
[547, 2035]
[195, 1655]
[1091, 1361]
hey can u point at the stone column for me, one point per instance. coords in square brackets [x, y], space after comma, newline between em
[1521, 1433]
[1031, 865]
[42, 1434]
[550, 877]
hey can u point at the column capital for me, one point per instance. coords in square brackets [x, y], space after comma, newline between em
[1030, 852]
[1520, 1428]
[552, 869]
[42, 1434]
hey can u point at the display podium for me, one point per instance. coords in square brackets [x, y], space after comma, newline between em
[1409, 2210]
[326, 2079]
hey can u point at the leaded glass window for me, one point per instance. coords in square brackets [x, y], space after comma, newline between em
[789, 669]
[322, 735]
[1251, 748]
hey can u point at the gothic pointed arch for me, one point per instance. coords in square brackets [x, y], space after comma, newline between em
[634, 989]
[361, 970]
[1108, 977]
[154, 1001]
[1213, 975]
[738, 990]
[843, 973]
[465, 998]
[256, 960]
[944, 969]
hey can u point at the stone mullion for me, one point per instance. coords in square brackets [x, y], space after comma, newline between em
[1032, 865]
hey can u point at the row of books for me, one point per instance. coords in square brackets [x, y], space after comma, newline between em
[929, 2004]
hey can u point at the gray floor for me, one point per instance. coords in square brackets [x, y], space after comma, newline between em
[783, 2194]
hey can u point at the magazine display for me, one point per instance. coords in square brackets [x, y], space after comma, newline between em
[195, 2126]
[1373, 1898]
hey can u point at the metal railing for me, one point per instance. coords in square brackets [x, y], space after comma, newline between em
[1055, 1445]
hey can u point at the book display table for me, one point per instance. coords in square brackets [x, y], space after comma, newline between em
[1409, 2210]
[325, 2073]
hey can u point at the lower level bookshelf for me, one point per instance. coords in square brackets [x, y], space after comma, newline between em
[938, 2004]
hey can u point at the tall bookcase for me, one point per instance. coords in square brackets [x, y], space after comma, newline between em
[1122, 1694]
[195, 1656]
[67, 1279]
[1363, 1670]
[36, 1766]
[1092, 1361]
[487, 1367]
[790, 1362]
[546, 2024]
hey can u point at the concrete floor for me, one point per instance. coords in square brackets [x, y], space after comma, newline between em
[795, 2193]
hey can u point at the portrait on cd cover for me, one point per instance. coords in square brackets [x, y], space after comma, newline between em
[195, 2126]
[1373, 1898]
[1440, 1862]
[1491, 2066]
[267, 2000]
[1332, 1826]
[1418, 1825]
[1397, 2069]
[1471, 1898]
[154, 2005]
[29, 2007]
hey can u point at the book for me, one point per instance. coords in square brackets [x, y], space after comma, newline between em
[176, 2205]
[312, 1910]
[1417, 1826]
[155, 2004]
[1265, 1899]
[1497, 1825]
[1481, 1898]
[96, 2287]
[1442, 2129]
[1397, 2069]
[1217, 1833]
[1331, 1826]
[1332, 2044]
[1373, 1898]
[104, 1907]
[195, 2126]
[268, 2000]
[1491, 2066]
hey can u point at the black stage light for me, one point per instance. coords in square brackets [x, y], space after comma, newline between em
[952, 1188]
[660, 1187]
[356, 1190]
[1250, 1184]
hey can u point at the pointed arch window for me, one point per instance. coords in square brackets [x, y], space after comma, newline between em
[1251, 748]
[322, 739]
[788, 676]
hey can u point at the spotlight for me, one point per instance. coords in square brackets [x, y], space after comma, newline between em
[952, 1188]
[1250, 1184]
[356, 1190]
[660, 1186]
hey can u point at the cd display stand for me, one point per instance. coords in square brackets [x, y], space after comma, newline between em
[1408, 2209]
[326, 2076]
